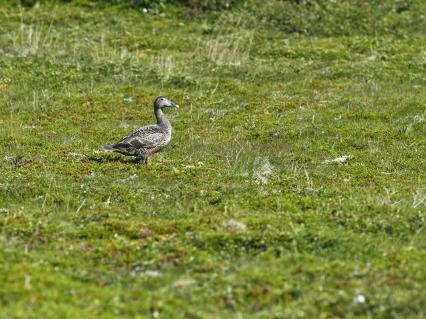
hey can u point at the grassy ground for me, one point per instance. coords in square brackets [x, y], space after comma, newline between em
[263, 115]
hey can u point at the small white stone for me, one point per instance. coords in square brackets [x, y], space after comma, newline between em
[360, 298]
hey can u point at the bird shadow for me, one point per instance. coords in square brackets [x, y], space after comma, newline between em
[112, 159]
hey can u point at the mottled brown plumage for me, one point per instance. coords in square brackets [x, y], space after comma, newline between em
[149, 139]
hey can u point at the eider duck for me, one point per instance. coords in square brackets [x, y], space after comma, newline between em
[149, 139]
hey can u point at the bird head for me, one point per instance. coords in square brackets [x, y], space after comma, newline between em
[161, 102]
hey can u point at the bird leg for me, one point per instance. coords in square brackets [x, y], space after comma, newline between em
[139, 159]
[142, 158]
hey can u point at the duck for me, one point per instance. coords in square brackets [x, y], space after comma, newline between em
[148, 139]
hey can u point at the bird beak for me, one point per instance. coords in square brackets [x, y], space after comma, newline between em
[174, 105]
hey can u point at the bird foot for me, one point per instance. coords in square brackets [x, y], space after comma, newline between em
[142, 159]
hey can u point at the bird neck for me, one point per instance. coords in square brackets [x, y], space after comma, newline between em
[162, 120]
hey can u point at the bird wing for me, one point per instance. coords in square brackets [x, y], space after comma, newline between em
[145, 137]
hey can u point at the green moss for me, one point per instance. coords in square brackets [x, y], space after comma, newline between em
[266, 106]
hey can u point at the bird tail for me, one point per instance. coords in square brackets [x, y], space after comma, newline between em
[108, 148]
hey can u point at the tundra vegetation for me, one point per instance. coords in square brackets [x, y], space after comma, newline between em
[294, 185]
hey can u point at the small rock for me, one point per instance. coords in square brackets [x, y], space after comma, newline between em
[234, 226]
[145, 232]
[360, 298]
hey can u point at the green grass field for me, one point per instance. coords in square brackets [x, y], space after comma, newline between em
[294, 185]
